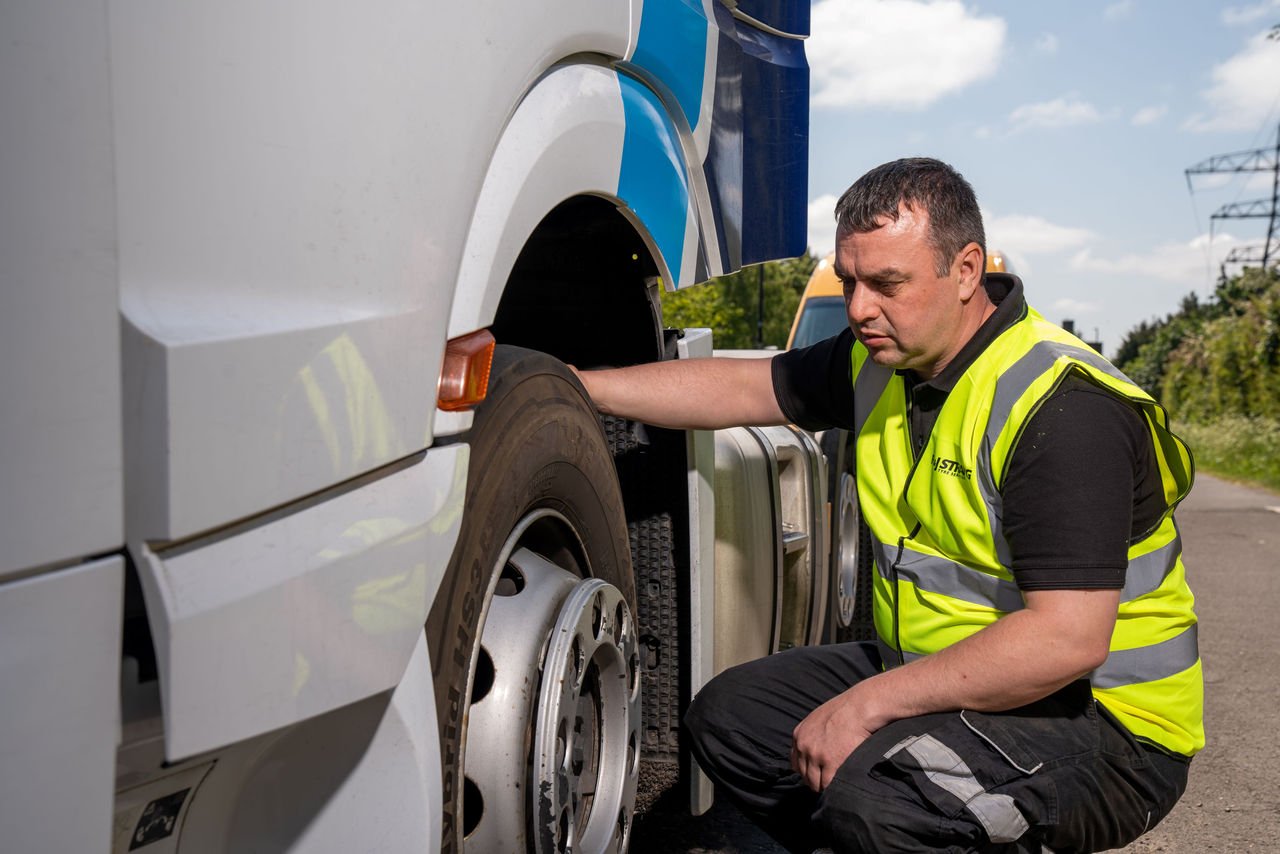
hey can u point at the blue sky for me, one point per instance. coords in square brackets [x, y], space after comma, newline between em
[1073, 121]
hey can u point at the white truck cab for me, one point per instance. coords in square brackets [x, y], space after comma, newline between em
[259, 590]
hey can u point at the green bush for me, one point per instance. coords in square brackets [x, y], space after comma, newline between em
[1216, 367]
[1236, 447]
[1229, 365]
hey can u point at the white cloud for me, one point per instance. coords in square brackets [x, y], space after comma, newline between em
[1016, 235]
[1185, 263]
[1244, 89]
[1058, 113]
[1236, 15]
[1260, 181]
[1075, 307]
[822, 225]
[1046, 43]
[1116, 11]
[1253, 181]
[1211, 180]
[1149, 115]
[1021, 234]
[899, 54]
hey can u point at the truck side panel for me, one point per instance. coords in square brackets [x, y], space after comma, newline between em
[60, 458]
[250, 640]
[233, 243]
[295, 180]
[60, 673]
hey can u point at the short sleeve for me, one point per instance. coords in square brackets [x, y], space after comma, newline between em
[1077, 488]
[813, 384]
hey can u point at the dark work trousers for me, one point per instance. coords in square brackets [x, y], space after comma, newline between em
[1059, 775]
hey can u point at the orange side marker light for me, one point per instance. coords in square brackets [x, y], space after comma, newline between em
[464, 375]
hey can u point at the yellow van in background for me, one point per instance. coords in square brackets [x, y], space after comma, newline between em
[821, 313]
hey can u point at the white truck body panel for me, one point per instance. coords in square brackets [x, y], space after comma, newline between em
[233, 242]
[60, 459]
[379, 793]
[364, 778]
[250, 640]
[570, 125]
[59, 679]
[275, 206]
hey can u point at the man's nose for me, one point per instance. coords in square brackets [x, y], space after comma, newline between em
[860, 305]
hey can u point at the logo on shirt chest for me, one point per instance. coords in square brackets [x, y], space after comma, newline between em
[951, 467]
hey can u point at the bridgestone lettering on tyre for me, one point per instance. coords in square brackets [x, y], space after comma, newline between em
[532, 635]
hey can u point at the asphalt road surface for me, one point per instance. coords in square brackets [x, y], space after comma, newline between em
[1231, 535]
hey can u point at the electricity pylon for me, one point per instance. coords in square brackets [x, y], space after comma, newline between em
[1257, 160]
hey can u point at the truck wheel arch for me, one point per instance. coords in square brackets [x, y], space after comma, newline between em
[581, 136]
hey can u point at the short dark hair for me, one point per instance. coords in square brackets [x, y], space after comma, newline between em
[941, 192]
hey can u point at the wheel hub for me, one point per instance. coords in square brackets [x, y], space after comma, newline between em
[553, 727]
[847, 553]
[587, 737]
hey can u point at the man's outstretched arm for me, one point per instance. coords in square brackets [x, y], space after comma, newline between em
[689, 394]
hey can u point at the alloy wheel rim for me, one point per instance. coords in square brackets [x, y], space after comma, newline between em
[552, 722]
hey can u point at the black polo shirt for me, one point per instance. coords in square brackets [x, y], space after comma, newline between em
[1082, 480]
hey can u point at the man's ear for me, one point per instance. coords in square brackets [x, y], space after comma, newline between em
[968, 268]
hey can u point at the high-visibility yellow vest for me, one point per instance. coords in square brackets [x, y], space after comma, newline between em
[943, 564]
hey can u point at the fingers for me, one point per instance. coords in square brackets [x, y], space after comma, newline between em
[815, 777]
[809, 772]
[810, 769]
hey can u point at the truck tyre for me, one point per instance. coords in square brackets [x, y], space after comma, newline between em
[532, 634]
[849, 615]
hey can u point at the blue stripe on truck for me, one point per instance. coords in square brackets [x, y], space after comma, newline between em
[653, 182]
[672, 47]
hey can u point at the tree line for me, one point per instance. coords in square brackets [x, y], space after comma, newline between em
[1213, 358]
[750, 309]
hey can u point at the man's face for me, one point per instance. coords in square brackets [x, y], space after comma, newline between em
[899, 308]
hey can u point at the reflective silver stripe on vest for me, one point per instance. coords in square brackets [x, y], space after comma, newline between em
[1148, 663]
[939, 575]
[998, 814]
[1147, 572]
[880, 554]
[1010, 387]
[1144, 574]
[868, 386]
